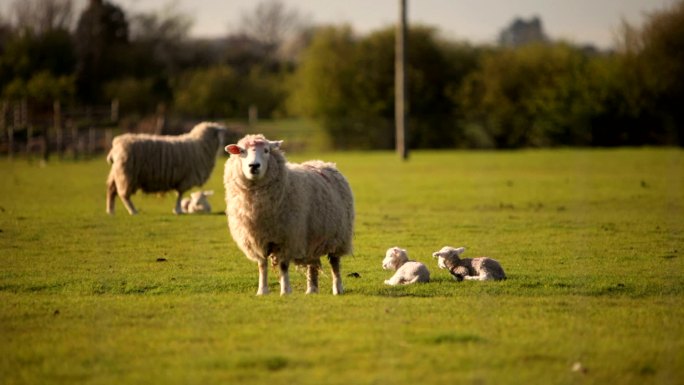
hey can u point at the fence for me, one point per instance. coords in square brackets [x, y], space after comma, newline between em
[76, 131]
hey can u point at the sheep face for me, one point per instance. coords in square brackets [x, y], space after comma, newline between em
[448, 253]
[394, 258]
[254, 155]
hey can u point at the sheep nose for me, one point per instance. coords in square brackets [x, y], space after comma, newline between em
[254, 168]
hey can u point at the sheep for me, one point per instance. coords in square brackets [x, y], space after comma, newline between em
[197, 203]
[473, 269]
[287, 212]
[157, 163]
[407, 271]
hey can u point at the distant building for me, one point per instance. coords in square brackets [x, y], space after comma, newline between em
[522, 32]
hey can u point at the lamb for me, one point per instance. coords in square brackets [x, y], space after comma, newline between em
[407, 271]
[475, 269]
[198, 203]
[157, 163]
[287, 212]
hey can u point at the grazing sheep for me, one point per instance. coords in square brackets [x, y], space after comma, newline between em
[475, 269]
[156, 163]
[407, 271]
[198, 203]
[287, 212]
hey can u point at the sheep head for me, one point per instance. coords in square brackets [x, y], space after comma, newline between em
[254, 152]
[394, 258]
[448, 256]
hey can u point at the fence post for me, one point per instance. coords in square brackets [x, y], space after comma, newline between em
[115, 110]
[4, 127]
[57, 124]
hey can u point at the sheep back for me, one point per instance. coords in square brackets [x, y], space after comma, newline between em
[156, 163]
[413, 271]
[483, 264]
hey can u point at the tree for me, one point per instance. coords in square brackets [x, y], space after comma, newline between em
[271, 23]
[535, 95]
[42, 16]
[160, 38]
[101, 38]
[347, 83]
[652, 68]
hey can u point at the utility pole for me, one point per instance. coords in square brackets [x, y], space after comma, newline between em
[400, 94]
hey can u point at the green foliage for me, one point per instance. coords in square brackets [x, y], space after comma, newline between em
[530, 96]
[138, 95]
[348, 83]
[463, 96]
[591, 240]
[221, 92]
[652, 69]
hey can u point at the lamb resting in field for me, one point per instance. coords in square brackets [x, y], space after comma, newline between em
[156, 163]
[287, 212]
[197, 203]
[407, 271]
[476, 269]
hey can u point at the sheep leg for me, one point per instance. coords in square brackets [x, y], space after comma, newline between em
[336, 276]
[263, 278]
[395, 280]
[312, 279]
[285, 288]
[111, 196]
[129, 205]
[476, 277]
[178, 210]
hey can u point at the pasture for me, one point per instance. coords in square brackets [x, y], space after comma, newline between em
[592, 242]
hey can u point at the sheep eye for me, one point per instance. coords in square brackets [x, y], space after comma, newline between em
[266, 151]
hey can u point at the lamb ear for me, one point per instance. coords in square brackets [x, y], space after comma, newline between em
[459, 251]
[275, 144]
[436, 254]
[234, 149]
[209, 192]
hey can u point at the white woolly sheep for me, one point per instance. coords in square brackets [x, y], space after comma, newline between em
[407, 271]
[156, 163]
[287, 212]
[475, 269]
[197, 203]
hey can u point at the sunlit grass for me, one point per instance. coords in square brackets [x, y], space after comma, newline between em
[591, 241]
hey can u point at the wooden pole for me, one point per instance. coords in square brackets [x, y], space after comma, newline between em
[57, 126]
[400, 95]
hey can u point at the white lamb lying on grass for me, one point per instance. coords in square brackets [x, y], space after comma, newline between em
[474, 269]
[198, 203]
[407, 271]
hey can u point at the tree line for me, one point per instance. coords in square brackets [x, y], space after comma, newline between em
[551, 93]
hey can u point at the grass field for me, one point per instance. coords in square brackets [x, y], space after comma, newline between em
[592, 242]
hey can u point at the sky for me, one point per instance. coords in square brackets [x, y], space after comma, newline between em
[478, 21]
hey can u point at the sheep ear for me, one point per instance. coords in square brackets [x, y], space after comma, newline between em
[275, 144]
[395, 251]
[234, 149]
[436, 254]
[210, 192]
[459, 251]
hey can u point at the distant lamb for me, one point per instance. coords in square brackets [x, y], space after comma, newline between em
[407, 271]
[476, 269]
[287, 212]
[197, 203]
[156, 163]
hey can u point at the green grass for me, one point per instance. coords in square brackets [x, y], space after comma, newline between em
[592, 242]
